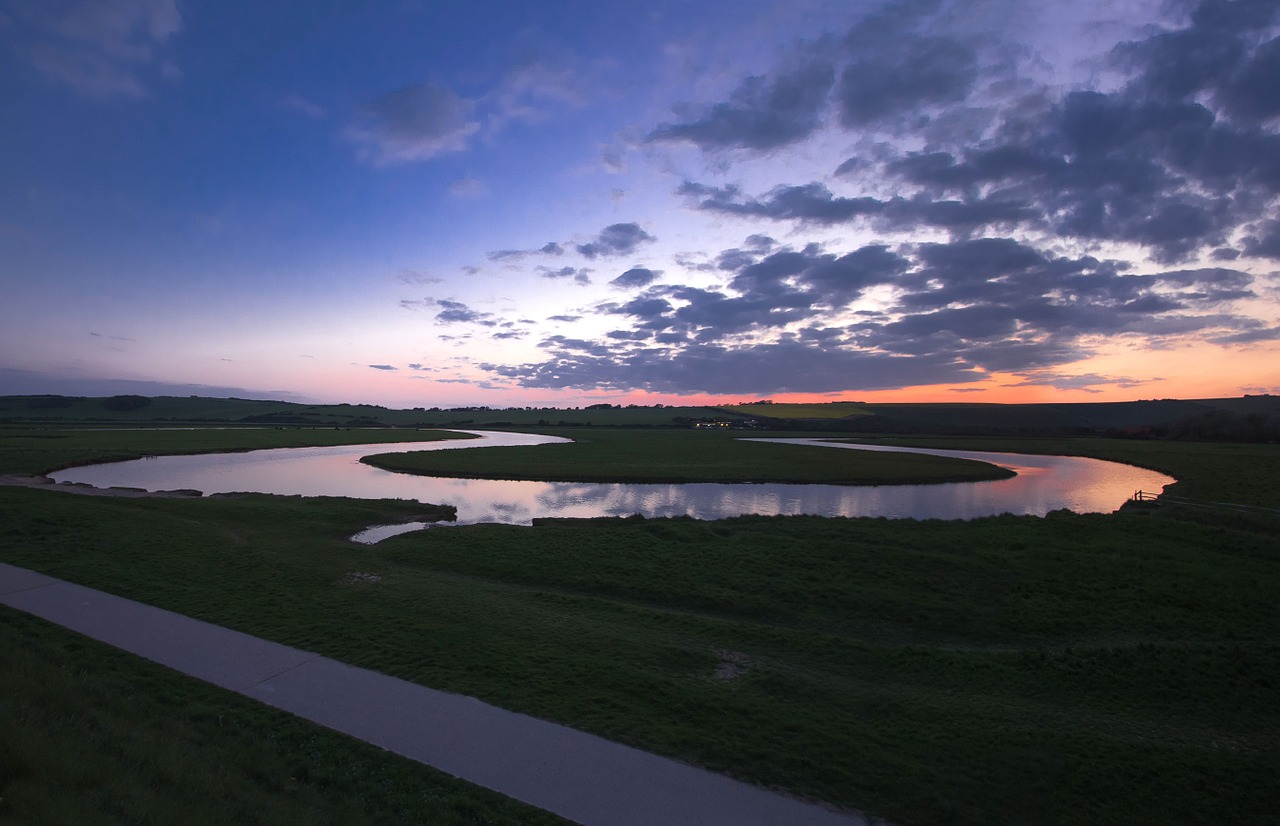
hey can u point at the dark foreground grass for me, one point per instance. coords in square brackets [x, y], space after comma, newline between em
[33, 450]
[1080, 669]
[91, 735]
[675, 456]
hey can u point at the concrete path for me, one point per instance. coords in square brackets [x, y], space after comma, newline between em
[576, 775]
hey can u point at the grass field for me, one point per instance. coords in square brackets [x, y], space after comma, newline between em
[32, 450]
[830, 410]
[92, 735]
[674, 456]
[1078, 669]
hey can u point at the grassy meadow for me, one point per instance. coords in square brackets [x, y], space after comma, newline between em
[676, 456]
[33, 450]
[1071, 669]
[827, 410]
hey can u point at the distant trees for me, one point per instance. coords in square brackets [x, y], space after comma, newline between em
[119, 403]
[1226, 426]
[48, 402]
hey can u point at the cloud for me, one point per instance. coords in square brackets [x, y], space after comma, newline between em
[956, 311]
[455, 312]
[551, 248]
[762, 114]
[382, 367]
[1179, 155]
[760, 368]
[409, 276]
[635, 277]
[614, 240]
[579, 275]
[903, 76]
[815, 204]
[468, 188]
[100, 48]
[297, 103]
[1087, 381]
[532, 91]
[415, 123]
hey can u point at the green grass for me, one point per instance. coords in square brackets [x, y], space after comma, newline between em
[32, 450]
[91, 735]
[829, 410]
[1082, 669]
[1076, 669]
[673, 456]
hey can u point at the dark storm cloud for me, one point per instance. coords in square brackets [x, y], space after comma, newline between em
[635, 277]
[614, 240]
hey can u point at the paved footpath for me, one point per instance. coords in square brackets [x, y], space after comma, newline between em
[576, 775]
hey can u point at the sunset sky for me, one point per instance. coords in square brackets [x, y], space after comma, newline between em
[564, 202]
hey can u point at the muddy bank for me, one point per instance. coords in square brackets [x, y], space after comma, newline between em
[45, 483]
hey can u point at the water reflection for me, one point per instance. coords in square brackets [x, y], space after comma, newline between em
[1042, 484]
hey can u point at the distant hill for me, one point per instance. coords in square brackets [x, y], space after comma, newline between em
[1248, 418]
[199, 410]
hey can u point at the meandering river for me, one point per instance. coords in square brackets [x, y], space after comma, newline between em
[1042, 484]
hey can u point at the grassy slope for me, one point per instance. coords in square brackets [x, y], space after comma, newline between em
[684, 456]
[93, 735]
[1085, 669]
[33, 450]
[829, 410]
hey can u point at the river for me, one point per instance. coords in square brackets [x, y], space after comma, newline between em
[1042, 484]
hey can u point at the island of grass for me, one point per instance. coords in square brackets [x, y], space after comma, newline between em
[683, 456]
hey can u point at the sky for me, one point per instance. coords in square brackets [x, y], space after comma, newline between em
[442, 204]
